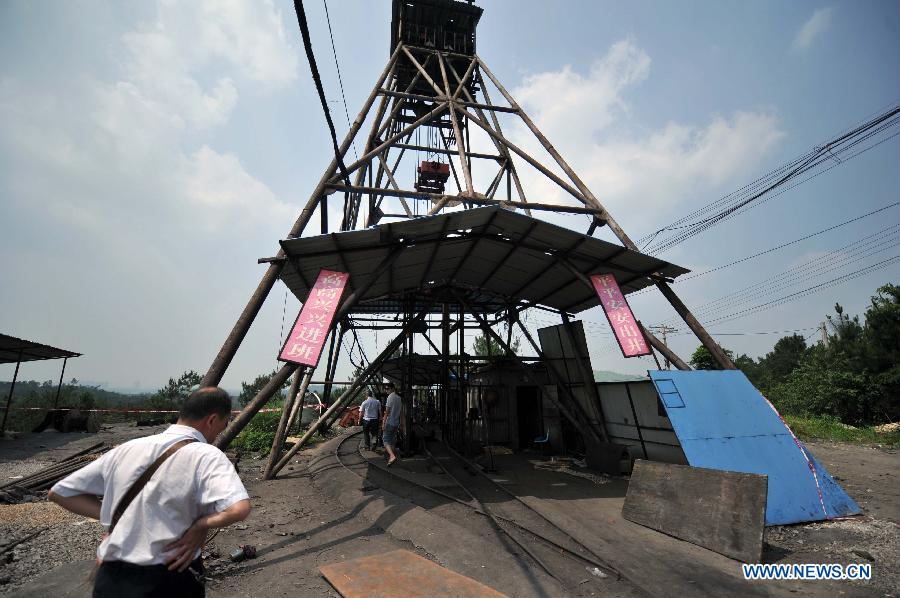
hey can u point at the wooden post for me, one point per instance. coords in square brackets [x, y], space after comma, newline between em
[586, 195]
[59, 386]
[262, 397]
[239, 331]
[349, 393]
[12, 387]
[280, 433]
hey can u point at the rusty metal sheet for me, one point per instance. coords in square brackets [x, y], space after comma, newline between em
[400, 573]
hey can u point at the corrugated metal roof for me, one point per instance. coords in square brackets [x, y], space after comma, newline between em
[499, 257]
[14, 349]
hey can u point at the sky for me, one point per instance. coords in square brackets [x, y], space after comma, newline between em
[150, 152]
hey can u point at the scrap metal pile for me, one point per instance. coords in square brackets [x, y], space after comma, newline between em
[32, 487]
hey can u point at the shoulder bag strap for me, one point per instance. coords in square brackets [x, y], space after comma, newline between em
[142, 481]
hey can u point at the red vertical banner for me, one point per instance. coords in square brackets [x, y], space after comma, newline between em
[304, 344]
[628, 334]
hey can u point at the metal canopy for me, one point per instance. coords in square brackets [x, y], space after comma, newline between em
[14, 350]
[500, 257]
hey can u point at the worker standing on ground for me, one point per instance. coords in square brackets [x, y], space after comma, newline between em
[161, 494]
[369, 418]
[391, 423]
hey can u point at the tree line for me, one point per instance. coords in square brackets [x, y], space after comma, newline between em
[853, 376]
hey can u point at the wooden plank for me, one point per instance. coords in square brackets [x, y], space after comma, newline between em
[400, 573]
[723, 511]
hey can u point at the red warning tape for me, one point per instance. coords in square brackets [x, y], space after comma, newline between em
[268, 410]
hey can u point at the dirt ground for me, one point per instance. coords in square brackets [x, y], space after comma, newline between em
[296, 527]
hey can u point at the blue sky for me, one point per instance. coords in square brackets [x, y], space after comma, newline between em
[150, 152]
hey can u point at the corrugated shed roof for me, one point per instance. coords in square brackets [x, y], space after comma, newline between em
[14, 349]
[499, 257]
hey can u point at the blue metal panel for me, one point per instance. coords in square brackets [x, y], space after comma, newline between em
[672, 400]
[726, 424]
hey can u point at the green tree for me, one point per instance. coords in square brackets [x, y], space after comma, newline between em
[882, 333]
[251, 389]
[486, 346]
[783, 359]
[751, 369]
[702, 359]
[826, 383]
[882, 330]
[173, 394]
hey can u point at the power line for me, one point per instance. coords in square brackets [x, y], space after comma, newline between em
[808, 291]
[863, 248]
[684, 332]
[338, 68]
[783, 245]
[741, 200]
[771, 249]
[314, 71]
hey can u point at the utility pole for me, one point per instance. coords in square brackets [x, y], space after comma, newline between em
[663, 329]
[824, 330]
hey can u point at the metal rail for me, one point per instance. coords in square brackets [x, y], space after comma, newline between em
[566, 551]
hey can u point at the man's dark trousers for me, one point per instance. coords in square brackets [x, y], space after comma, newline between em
[119, 579]
[370, 427]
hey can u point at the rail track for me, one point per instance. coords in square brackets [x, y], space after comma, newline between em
[522, 527]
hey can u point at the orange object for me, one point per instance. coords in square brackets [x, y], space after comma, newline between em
[432, 176]
[400, 573]
[350, 417]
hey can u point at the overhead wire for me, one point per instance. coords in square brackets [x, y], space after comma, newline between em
[808, 291]
[771, 249]
[813, 268]
[317, 80]
[337, 67]
[761, 181]
[739, 201]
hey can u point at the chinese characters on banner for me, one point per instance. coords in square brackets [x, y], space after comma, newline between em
[304, 343]
[630, 338]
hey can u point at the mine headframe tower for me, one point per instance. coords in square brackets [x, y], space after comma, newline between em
[434, 91]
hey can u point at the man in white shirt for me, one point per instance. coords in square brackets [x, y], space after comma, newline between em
[369, 416]
[391, 423]
[154, 546]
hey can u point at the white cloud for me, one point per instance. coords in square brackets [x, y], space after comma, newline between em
[111, 184]
[219, 184]
[562, 100]
[817, 24]
[631, 169]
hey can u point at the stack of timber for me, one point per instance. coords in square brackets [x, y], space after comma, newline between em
[23, 489]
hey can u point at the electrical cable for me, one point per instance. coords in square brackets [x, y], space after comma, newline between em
[806, 271]
[314, 70]
[739, 201]
[337, 66]
[808, 291]
[853, 252]
[770, 250]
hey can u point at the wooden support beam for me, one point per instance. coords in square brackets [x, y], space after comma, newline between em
[245, 320]
[344, 399]
[287, 409]
[588, 197]
[580, 423]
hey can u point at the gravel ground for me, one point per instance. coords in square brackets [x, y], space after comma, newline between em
[304, 527]
[11, 471]
[63, 538]
[845, 541]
